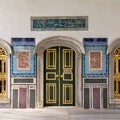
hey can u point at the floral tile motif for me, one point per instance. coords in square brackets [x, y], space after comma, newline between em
[95, 59]
[23, 60]
[23, 57]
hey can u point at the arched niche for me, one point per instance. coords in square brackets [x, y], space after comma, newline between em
[5, 101]
[59, 41]
[113, 101]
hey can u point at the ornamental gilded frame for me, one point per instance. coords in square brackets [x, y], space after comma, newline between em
[112, 100]
[8, 49]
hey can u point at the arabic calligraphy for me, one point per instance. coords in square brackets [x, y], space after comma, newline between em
[59, 23]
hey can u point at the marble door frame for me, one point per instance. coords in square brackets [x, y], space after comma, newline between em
[66, 42]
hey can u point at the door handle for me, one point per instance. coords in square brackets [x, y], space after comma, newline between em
[59, 76]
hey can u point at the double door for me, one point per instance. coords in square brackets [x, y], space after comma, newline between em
[59, 77]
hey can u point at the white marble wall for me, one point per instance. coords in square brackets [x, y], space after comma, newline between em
[103, 17]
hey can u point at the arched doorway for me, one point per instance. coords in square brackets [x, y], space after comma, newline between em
[3, 79]
[59, 41]
[117, 72]
[114, 74]
[5, 51]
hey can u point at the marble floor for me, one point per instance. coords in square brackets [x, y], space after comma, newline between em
[58, 114]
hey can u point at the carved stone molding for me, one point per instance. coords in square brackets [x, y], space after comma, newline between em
[6, 45]
[59, 41]
[113, 45]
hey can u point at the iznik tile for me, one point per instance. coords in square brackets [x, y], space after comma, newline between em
[59, 23]
[23, 60]
[95, 59]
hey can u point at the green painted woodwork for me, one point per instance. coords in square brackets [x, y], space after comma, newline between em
[59, 77]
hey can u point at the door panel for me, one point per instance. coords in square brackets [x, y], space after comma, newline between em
[15, 98]
[59, 78]
[51, 93]
[22, 98]
[86, 98]
[67, 93]
[104, 97]
[32, 98]
[96, 98]
[51, 77]
[51, 58]
[67, 77]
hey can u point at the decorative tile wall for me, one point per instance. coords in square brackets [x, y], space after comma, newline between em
[59, 23]
[23, 59]
[95, 59]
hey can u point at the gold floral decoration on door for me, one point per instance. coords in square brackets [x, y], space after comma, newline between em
[2, 72]
[117, 72]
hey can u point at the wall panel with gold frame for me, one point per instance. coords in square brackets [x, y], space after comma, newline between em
[59, 77]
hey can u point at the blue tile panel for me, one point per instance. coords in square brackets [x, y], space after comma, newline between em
[95, 41]
[59, 23]
[23, 41]
[23, 44]
[95, 44]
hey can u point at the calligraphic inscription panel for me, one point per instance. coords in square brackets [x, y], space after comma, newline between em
[59, 23]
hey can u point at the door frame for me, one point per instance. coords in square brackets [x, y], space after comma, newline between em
[66, 42]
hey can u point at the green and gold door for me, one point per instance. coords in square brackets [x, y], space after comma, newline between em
[59, 77]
